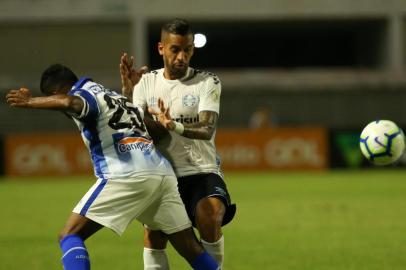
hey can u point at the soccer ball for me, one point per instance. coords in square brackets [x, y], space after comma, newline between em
[382, 142]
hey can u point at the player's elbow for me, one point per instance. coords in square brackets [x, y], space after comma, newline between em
[207, 134]
[206, 137]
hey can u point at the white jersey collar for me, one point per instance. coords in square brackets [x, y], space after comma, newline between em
[188, 74]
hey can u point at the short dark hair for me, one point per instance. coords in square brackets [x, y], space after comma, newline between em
[177, 27]
[57, 77]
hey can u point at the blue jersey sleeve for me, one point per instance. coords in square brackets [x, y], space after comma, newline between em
[90, 109]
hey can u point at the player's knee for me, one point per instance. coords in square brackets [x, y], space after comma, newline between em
[209, 227]
[65, 232]
[210, 212]
[62, 234]
[209, 232]
[212, 220]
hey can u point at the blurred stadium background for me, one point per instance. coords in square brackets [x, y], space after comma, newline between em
[300, 79]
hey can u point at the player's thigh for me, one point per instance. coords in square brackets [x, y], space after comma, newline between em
[115, 203]
[206, 198]
[167, 213]
[211, 210]
[80, 225]
[209, 217]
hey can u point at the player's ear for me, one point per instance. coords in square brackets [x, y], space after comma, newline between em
[193, 50]
[161, 48]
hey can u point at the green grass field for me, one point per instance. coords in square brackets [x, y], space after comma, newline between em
[296, 221]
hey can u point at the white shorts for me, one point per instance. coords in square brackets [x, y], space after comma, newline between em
[153, 200]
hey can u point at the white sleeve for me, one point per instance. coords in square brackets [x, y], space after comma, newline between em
[210, 96]
[139, 99]
[90, 105]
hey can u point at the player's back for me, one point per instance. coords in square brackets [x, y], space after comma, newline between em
[114, 132]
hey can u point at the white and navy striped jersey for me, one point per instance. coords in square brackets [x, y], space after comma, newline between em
[114, 132]
[197, 91]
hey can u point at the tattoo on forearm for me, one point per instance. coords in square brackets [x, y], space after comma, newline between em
[203, 129]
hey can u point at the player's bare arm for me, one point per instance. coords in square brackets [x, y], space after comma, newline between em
[203, 130]
[23, 98]
[129, 76]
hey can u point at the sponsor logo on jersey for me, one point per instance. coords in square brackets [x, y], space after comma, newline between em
[189, 100]
[187, 119]
[215, 95]
[96, 88]
[134, 143]
[153, 103]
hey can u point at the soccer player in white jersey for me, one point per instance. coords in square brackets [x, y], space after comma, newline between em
[134, 181]
[193, 100]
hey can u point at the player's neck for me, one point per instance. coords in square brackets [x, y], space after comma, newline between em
[169, 76]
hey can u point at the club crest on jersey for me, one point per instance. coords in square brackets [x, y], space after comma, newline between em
[134, 143]
[189, 100]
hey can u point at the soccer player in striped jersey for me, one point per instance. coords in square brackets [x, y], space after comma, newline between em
[134, 181]
[193, 100]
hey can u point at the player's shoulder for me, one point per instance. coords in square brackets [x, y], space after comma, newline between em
[149, 79]
[206, 76]
[97, 90]
[87, 85]
[93, 87]
[151, 74]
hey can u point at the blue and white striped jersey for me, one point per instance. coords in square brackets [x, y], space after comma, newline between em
[114, 132]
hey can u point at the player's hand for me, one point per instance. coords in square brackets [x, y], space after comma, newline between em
[163, 115]
[19, 98]
[129, 75]
[126, 64]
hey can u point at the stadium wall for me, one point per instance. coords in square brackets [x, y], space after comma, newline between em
[58, 154]
[240, 150]
[90, 35]
[333, 109]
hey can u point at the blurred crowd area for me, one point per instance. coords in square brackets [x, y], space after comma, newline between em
[313, 62]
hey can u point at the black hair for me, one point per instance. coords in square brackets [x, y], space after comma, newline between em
[177, 27]
[57, 77]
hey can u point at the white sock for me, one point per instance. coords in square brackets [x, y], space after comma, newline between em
[155, 259]
[216, 250]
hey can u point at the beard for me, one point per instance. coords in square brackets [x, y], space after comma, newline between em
[178, 72]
